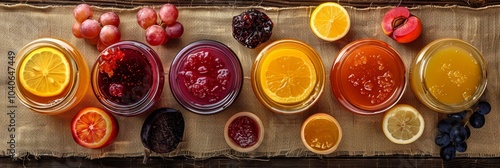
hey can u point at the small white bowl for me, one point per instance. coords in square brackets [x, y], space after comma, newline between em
[235, 146]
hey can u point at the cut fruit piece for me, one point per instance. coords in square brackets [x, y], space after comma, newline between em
[45, 72]
[94, 128]
[400, 25]
[330, 21]
[403, 124]
[288, 76]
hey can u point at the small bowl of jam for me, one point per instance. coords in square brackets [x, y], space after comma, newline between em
[206, 77]
[321, 133]
[244, 132]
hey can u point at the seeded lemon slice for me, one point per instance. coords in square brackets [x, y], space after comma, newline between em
[403, 124]
[44, 72]
[288, 76]
[330, 21]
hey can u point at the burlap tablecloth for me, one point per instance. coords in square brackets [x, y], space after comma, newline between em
[25, 132]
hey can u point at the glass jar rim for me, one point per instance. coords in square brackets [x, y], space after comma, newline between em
[235, 66]
[336, 71]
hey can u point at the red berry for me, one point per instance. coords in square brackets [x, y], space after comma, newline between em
[116, 90]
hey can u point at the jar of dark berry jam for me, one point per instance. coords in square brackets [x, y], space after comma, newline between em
[206, 77]
[128, 78]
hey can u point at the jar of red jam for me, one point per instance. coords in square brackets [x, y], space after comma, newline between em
[368, 77]
[244, 132]
[128, 78]
[206, 77]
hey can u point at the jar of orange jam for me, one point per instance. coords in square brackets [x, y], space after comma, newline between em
[288, 76]
[368, 77]
[51, 76]
[321, 133]
[449, 75]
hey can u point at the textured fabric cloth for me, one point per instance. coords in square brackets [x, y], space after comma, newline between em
[43, 135]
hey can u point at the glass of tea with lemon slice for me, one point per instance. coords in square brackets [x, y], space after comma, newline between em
[288, 76]
[51, 76]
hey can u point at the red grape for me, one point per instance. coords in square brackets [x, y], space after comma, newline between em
[109, 18]
[156, 35]
[110, 34]
[93, 41]
[82, 12]
[76, 30]
[169, 14]
[100, 46]
[90, 28]
[175, 31]
[146, 17]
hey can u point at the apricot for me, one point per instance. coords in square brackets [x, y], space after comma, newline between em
[400, 25]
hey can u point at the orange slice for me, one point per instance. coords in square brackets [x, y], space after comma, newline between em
[330, 21]
[45, 72]
[403, 124]
[288, 76]
[94, 128]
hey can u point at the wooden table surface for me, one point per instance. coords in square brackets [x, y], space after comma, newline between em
[351, 161]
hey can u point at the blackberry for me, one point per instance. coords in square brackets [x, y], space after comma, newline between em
[252, 28]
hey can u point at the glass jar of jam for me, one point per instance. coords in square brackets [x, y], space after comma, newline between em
[51, 76]
[368, 77]
[128, 78]
[449, 75]
[288, 76]
[206, 77]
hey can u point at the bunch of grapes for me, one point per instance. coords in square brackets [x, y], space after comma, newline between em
[454, 130]
[158, 33]
[101, 32]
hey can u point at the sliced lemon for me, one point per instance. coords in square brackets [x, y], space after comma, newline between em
[403, 124]
[330, 21]
[288, 76]
[45, 72]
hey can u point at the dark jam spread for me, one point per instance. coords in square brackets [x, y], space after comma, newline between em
[244, 131]
[125, 76]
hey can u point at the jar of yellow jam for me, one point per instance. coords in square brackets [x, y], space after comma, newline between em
[449, 75]
[51, 76]
[288, 76]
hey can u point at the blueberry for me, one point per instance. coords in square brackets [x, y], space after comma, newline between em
[477, 120]
[445, 125]
[483, 107]
[447, 152]
[460, 115]
[467, 129]
[458, 134]
[461, 147]
[442, 139]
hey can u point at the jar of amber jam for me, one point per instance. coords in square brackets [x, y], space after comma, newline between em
[206, 77]
[449, 75]
[128, 78]
[321, 133]
[51, 76]
[368, 77]
[288, 76]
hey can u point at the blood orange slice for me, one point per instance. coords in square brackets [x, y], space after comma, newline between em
[94, 128]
